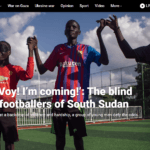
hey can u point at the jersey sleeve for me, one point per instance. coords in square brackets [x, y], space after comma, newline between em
[52, 60]
[93, 56]
[28, 73]
[143, 54]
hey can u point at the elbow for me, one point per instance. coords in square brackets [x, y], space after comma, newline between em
[104, 60]
[27, 77]
[126, 55]
[41, 72]
[41, 69]
[129, 55]
[105, 63]
[30, 76]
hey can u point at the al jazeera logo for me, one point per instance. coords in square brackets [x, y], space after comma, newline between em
[2, 78]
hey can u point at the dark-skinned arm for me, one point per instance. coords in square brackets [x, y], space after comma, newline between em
[123, 44]
[104, 56]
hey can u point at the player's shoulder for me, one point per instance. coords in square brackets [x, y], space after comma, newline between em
[12, 66]
[15, 67]
[83, 46]
[59, 46]
[88, 47]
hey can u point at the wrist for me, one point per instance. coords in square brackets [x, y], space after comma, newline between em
[30, 50]
[116, 29]
[99, 33]
[35, 48]
[99, 30]
[31, 54]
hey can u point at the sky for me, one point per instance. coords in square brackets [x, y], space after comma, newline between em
[48, 27]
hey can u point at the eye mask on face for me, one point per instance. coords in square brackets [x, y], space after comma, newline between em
[3, 48]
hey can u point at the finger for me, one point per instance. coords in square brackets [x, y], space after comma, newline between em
[105, 22]
[99, 20]
[111, 18]
[28, 43]
[29, 39]
[102, 19]
[108, 22]
[36, 41]
[115, 17]
[35, 38]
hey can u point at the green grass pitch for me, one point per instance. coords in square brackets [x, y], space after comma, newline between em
[110, 136]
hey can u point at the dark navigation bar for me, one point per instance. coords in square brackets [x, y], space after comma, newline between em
[63, 7]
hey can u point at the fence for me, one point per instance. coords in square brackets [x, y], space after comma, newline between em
[136, 76]
[37, 116]
[121, 77]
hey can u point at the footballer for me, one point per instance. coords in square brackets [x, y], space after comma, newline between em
[9, 77]
[73, 61]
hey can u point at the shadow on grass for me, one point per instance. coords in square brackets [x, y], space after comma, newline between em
[29, 145]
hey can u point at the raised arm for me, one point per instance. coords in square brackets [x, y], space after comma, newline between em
[28, 73]
[104, 57]
[39, 63]
[123, 44]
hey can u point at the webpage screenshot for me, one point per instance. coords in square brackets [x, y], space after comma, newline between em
[75, 76]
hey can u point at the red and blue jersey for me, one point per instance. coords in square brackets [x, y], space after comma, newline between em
[73, 69]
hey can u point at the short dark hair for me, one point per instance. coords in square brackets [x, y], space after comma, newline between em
[73, 21]
[5, 45]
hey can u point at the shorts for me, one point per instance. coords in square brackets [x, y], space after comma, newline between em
[8, 127]
[74, 117]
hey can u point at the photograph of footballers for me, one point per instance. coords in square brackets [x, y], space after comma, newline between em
[74, 53]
